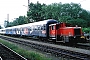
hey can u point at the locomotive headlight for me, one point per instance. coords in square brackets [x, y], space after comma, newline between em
[74, 36]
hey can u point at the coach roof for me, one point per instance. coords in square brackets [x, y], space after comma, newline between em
[35, 23]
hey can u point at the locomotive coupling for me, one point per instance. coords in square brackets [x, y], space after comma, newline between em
[82, 37]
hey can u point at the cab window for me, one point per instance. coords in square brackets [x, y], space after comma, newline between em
[53, 27]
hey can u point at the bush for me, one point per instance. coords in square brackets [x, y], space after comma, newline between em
[86, 30]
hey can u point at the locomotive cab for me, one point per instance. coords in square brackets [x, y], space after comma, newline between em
[55, 32]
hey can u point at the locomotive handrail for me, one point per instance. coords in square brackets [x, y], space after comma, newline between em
[0, 58]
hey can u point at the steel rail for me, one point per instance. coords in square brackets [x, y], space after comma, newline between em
[12, 54]
[0, 58]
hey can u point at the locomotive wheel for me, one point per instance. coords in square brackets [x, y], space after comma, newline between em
[65, 39]
[54, 40]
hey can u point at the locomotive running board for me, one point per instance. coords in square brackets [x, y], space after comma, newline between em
[59, 41]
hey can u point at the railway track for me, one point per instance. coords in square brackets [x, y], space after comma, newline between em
[57, 50]
[78, 45]
[0, 58]
[83, 46]
[8, 54]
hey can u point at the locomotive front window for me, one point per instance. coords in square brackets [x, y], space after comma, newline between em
[77, 31]
[57, 26]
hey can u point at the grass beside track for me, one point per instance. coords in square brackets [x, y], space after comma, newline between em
[30, 55]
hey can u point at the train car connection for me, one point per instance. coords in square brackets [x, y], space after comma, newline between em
[47, 30]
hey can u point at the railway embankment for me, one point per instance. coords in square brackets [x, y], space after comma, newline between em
[30, 55]
[8, 54]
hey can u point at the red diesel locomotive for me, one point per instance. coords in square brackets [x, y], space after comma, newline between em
[61, 32]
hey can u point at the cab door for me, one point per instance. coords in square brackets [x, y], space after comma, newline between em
[52, 31]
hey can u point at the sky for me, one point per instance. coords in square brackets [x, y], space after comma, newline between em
[16, 8]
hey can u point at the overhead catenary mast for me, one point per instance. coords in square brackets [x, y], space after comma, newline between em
[8, 17]
[6, 22]
[28, 4]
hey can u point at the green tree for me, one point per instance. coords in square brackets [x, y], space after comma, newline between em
[52, 11]
[21, 20]
[78, 21]
[71, 10]
[35, 11]
[7, 23]
[86, 16]
[18, 21]
[63, 12]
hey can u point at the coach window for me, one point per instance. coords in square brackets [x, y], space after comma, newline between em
[10, 29]
[53, 27]
[2, 30]
[35, 28]
[41, 27]
[44, 27]
[22, 29]
[29, 28]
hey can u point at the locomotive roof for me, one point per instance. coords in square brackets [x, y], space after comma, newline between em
[35, 23]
